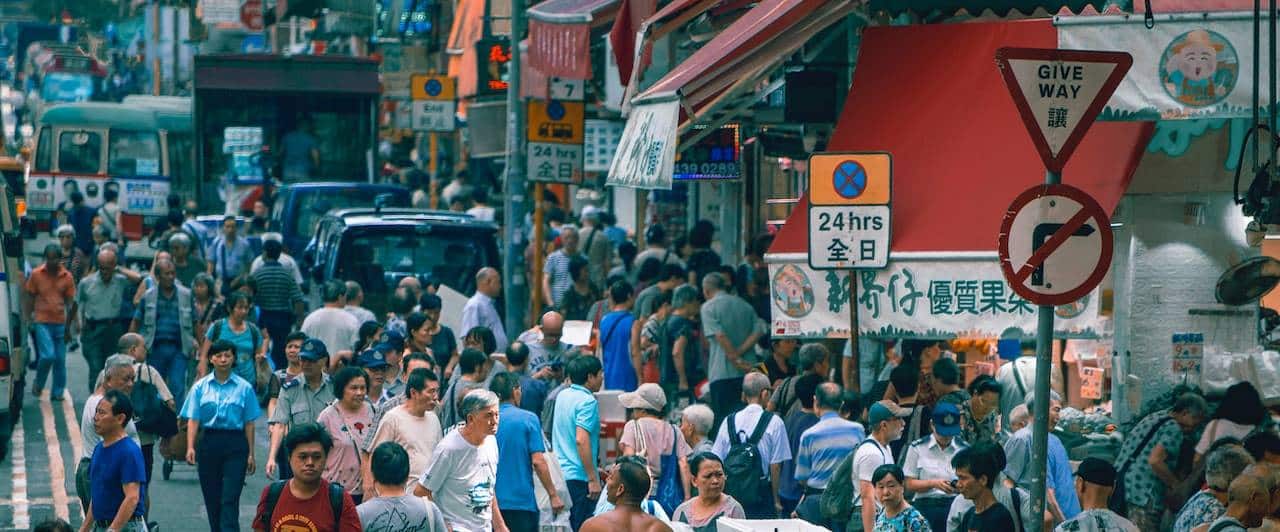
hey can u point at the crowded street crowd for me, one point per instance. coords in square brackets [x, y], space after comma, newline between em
[397, 422]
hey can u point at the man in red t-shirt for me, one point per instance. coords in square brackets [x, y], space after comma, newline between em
[303, 502]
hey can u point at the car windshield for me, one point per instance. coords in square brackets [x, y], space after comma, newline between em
[451, 257]
[314, 203]
[65, 87]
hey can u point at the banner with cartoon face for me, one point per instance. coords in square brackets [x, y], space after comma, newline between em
[1187, 68]
[922, 298]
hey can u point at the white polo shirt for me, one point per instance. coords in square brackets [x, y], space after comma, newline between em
[926, 460]
[774, 448]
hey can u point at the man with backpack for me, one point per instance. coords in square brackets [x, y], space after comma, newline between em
[822, 448]
[306, 501]
[753, 445]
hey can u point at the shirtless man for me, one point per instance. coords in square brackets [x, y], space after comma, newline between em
[626, 487]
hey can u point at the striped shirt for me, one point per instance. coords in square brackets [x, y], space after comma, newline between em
[277, 291]
[823, 446]
[557, 267]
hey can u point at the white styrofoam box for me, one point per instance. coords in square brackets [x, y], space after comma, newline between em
[726, 524]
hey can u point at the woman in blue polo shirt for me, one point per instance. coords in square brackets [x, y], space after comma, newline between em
[222, 406]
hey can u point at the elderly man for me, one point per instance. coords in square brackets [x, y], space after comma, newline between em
[1095, 480]
[98, 299]
[772, 443]
[166, 318]
[118, 375]
[1017, 450]
[188, 265]
[52, 290]
[355, 302]
[463, 473]
[134, 345]
[481, 310]
[1221, 465]
[695, 425]
[822, 447]
[556, 280]
[545, 346]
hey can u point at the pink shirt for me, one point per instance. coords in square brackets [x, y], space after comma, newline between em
[343, 465]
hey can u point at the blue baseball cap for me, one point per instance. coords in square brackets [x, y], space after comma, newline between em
[946, 419]
[313, 350]
[372, 358]
[391, 341]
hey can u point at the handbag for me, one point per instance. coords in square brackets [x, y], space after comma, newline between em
[670, 492]
[153, 415]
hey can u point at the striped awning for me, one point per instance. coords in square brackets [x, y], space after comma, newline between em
[925, 8]
[560, 35]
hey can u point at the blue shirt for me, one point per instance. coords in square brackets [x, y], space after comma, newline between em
[111, 468]
[519, 434]
[823, 446]
[245, 348]
[167, 325]
[1018, 451]
[615, 335]
[230, 261]
[576, 407]
[226, 405]
[533, 394]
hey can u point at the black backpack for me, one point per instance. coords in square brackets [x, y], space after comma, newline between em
[744, 466]
[273, 496]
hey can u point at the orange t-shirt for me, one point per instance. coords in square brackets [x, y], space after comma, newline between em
[51, 294]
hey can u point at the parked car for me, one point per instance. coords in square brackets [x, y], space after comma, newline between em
[300, 206]
[13, 332]
[379, 247]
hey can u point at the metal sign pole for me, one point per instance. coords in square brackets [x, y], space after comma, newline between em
[514, 291]
[1044, 364]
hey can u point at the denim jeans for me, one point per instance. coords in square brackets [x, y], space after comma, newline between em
[167, 357]
[52, 347]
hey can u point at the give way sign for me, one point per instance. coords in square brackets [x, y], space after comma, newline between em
[1055, 244]
[1059, 93]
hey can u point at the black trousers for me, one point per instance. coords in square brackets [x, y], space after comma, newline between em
[726, 398]
[221, 458]
[520, 520]
[583, 505]
[278, 324]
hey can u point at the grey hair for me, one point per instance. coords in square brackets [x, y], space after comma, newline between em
[477, 400]
[1225, 463]
[714, 282]
[1019, 414]
[700, 417]
[180, 238]
[829, 396]
[129, 341]
[64, 229]
[1031, 400]
[113, 362]
[754, 384]
[810, 355]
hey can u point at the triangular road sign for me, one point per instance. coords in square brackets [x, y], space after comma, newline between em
[1059, 93]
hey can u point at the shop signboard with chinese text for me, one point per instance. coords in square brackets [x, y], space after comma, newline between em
[849, 210]
[493, 73]
[646, 153]
[926, 298]
[715, 156]
[434, 102]
[557, 130]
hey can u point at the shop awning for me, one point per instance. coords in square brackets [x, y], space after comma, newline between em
[560, 35]
[717, 75]
[925, 8]
[629, 35]
[932, 96]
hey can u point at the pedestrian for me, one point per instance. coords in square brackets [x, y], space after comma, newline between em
[1065, 505]
[72, 257]
[408, 363]
[98, 299]
[391, 345]
[301, 153]
[481, 309]
[521, 457]
[896, 514]
[355, 300]
[463, 471]
[188, 265]
[1015, 499]
[979, 415]
[221, 408]
[135, 346]
[1240, 412]
[976, 470]
[649, 436]
[480, 209]
[905, 379]
[928, 470]
[279, 298]
[368, 335]
[1016, 378]
[582, 294]
[242, 334]
[53, 290]
[301, 401]
[811, 359]
[731, 328]
[347, 420]
[117, 375]
[375, 365]
[779, 364]
[400, 305]
[1247, 505]
[646, 304]
[307, 501]
[412, 425]
[702, 260]
[333, 325]
[166, 319]
[575, 435]
[1222, 464]
[805, 387]
[767, 433]
[117, 477]
[208, 304]
[230, 254]
[544, 341]
[655, 347]
[921, 354]
[822, 447]
[627, 487]
[286, 260]
[621, 363]
[393, 510]
[655, 240]
[703, 511]
[107, 216]
[555, 277]
[626, 257]
[684, 369]
[885, 420]
[1147, 462]
[472, 369]
[533, 390]
[293, 361]
[596, 247]
[444, 341]
[1095, 480]
[695, 425]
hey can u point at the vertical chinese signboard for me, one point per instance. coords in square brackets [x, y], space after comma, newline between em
[556, 134]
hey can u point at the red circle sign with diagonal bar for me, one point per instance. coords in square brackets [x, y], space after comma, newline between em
[1055, 244]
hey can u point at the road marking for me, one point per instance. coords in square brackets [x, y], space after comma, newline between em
[21, 506]
[73, 427]
[57, 473]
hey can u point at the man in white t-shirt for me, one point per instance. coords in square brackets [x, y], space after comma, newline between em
[412, 425]
[885, 421]
[333, 325]
[464, 469]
